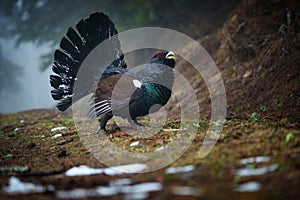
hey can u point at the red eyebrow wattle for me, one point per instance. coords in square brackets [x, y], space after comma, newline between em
[158, 54]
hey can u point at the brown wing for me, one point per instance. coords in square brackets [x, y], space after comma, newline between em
[113, 93]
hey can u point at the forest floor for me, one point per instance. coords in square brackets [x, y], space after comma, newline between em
[256, 157]
[261, 153]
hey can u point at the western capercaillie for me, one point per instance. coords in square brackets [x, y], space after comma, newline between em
[118, 91]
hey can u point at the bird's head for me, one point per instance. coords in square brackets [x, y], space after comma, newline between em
[165, 58]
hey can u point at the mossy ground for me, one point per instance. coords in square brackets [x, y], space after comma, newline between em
[29, 151]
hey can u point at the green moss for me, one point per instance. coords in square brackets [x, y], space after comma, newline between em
[289, 137]
[280, 105]
[15, 168]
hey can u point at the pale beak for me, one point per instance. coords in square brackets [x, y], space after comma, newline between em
[171, 55]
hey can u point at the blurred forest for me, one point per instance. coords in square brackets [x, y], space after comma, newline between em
[32, 30]
[45, 21]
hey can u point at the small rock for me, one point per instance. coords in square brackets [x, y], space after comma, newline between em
[230, 116]
[158, 141]
[64, 141]
[290, 125]
[62, 153]
[66, 133]
[31, 145]
[120, 134]
[9, 155]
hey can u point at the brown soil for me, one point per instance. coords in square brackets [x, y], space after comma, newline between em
[258, 54]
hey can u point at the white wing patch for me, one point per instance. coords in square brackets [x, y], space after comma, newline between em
[137, 83]
[99, 108]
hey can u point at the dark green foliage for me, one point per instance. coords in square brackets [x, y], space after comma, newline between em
[46, 21]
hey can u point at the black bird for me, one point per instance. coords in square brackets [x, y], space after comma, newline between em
[118, 90]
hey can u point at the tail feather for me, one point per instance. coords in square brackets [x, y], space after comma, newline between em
[55, 81]
[65, 59]
[69, 48]
[61, 69]
[74, 48]
[77, 42]
[64, 104]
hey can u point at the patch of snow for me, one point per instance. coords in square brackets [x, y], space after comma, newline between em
[125, 169]
[134, 143]
[249, 187]
[257, 159]
[142, 187]
[56, 136]
[256, 171]
[138, 191]
[16, 186]
[84, 170]
[59, 128]
[160, 148]
[174, 170]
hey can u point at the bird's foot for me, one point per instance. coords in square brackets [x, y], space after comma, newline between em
[101, 131]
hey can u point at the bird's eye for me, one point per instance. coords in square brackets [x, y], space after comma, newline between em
[158, 54]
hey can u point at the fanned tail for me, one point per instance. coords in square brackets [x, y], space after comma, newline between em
[74, 48]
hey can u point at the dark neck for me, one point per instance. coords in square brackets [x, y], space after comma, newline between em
[154, 73]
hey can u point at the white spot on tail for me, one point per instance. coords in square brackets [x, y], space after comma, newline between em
[137, 83]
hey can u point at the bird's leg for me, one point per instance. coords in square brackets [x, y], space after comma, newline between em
[100, 130]
[103, 121]
[135, 124]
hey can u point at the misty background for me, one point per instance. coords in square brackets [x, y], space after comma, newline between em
[32, 29]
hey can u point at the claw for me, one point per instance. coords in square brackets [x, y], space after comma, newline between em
[100, 130]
